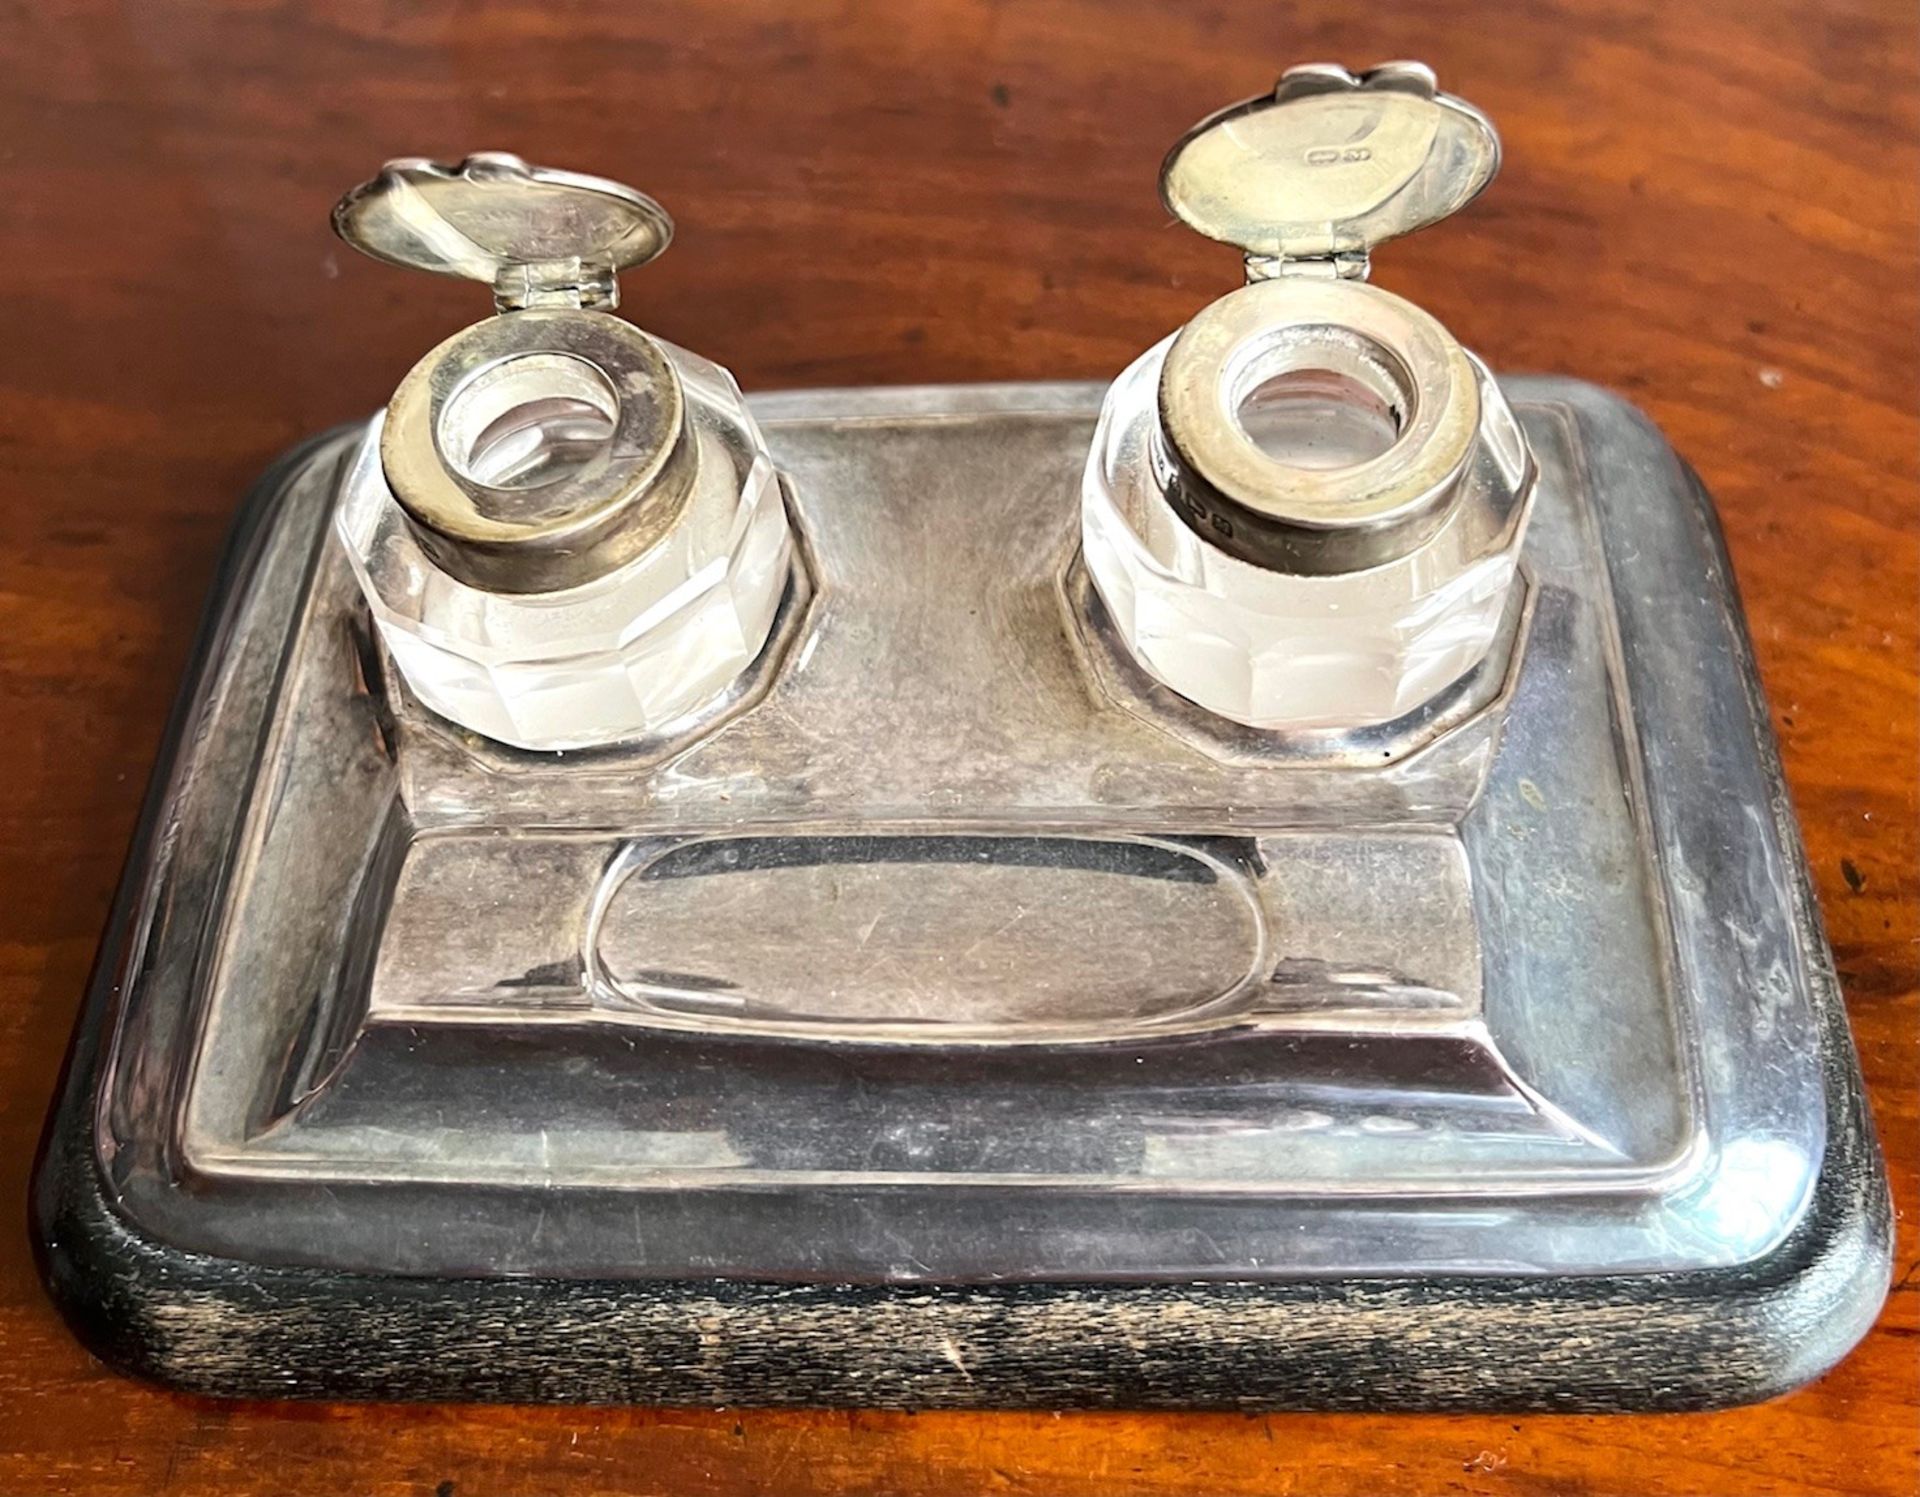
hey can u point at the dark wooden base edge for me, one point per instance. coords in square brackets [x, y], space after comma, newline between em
[1676, 1341]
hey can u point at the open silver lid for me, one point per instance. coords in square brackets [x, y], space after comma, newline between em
[1309, 178]
[539, 237]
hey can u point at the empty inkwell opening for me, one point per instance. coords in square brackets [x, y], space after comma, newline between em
[528, 420]
[1321, 400]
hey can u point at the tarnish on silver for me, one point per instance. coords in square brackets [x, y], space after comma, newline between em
[1350, 487]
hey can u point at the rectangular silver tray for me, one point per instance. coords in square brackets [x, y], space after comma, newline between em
[951, 952]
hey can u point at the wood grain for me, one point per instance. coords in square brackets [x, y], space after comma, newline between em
[1710, 207]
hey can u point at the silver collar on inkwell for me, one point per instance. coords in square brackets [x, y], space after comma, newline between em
[601, 465]
[1306, 181]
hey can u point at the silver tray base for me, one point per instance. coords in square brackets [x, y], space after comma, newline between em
[955, 972]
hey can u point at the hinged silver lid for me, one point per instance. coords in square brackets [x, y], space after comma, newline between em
[540, 238]
[1309, 178]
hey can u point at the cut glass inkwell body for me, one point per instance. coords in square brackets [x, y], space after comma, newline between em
[1265, 884]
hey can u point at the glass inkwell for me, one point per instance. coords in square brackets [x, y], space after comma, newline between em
[1305, 509]
[570, 533]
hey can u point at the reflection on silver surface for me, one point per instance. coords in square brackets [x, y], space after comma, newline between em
[938, 957]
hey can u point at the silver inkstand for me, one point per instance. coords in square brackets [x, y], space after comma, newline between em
[1264, 885]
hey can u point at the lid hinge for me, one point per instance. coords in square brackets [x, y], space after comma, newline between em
[1336, 265]
[556, 283]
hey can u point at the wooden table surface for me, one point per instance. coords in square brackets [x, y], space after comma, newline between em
[1710, 206]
